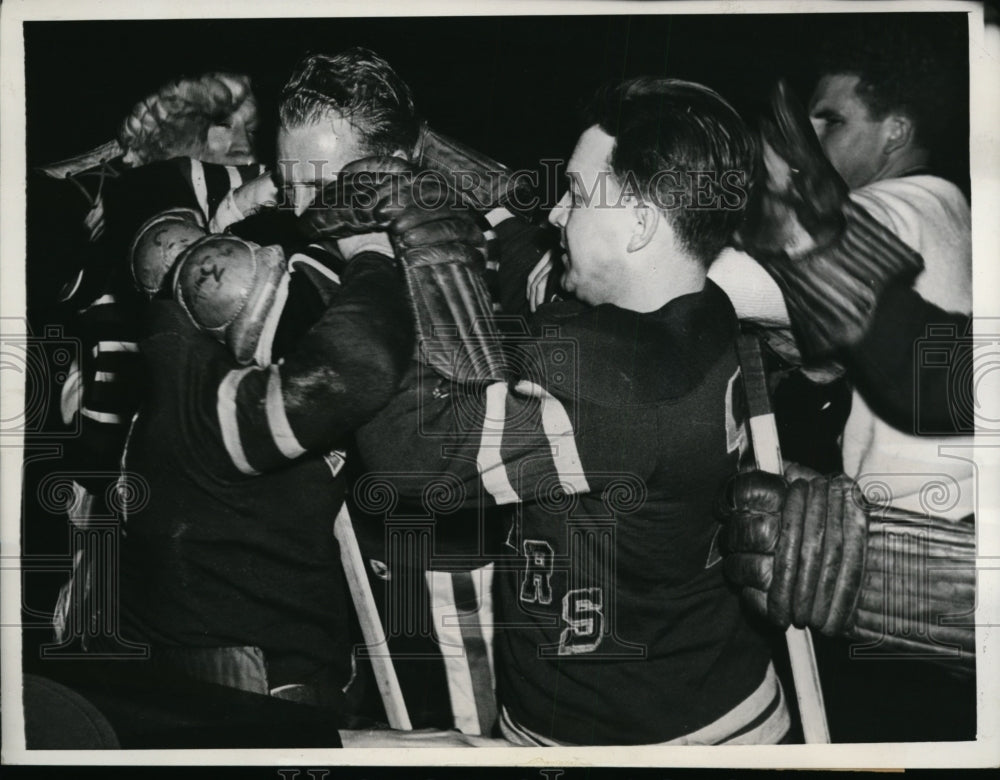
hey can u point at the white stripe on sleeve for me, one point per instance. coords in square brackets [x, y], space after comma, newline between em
[491, 466]
[497, 215]
[277, 420]
[302, 259]
[229, 421]
[116, 346]
[562, 441]
[200, 186]
[102, 417]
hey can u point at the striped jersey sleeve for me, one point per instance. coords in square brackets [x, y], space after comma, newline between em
[111, 373]
[506, 444]
[253, 418]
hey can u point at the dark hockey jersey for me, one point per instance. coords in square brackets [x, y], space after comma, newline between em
[214, 555]
[614, 625]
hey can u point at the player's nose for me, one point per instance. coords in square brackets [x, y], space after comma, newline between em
[557, 216]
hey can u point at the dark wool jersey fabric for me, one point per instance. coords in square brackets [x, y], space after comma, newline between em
[217, 558]
[626, 632]
[614, 622]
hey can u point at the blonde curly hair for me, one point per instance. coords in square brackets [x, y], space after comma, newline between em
[174, 121]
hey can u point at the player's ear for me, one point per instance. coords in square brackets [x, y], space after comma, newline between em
[646, 219]
[898, 133]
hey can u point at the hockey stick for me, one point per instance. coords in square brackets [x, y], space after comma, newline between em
[767, 453]
[371, 623]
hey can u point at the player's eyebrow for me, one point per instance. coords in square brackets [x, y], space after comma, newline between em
[825, 112]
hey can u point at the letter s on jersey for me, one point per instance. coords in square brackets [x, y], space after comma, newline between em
[583, 613]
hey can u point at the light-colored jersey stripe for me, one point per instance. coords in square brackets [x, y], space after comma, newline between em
[229, 420]
[263, 352]
[492, 469]
[200, 186]
[71, 398]
[277, 420]
[234, 177]
[115, 346]
[497, 215]
[104, 300]
[448, 635]
[104, 376]
[102, 417]
[723, 731]
[301, 259]
[562, 441]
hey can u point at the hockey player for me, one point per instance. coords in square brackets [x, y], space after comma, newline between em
[228, 577]
[334, 109]
[615, 624]
[230, 570]
[888, 561]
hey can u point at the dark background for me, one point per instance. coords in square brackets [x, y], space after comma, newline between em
[511, 86]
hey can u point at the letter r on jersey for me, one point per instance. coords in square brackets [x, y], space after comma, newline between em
[536, 585]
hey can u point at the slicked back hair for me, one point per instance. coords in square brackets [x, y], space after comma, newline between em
[359, 86]
[912, 68]
[664, 124]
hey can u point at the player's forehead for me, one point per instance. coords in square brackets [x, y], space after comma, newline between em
[837, 92]
[592, 155]
[315, 152]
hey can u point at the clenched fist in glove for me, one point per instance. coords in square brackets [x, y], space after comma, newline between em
[813, 553]
[831, 259]
[442, 251]
[370, 194]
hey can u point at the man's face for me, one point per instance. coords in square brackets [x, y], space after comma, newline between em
[595, 227]
[232, 142]
[851, 139]
[312, 155]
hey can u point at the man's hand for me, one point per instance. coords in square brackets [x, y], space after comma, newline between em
[371, 194]
[830, 258]
[797, 205]
[442, 251]
[813, 553]
[797, 550]
[256, 195]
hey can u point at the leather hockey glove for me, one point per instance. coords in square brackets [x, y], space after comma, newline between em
[369, 194]
[442, 252]
[830, 257]
[813, 553]
[158, 244]
[235, 290]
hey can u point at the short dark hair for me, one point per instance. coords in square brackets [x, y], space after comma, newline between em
[908, 66]
[360, 86]
[671, 125]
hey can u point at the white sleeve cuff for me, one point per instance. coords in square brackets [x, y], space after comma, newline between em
[753, 292]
